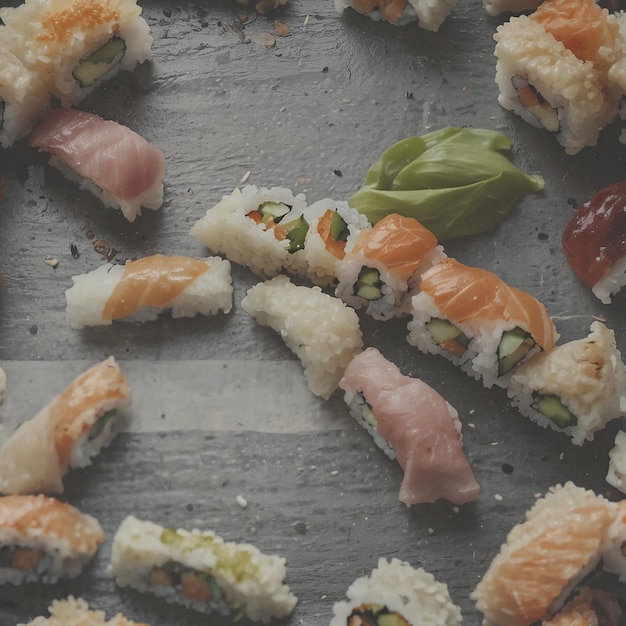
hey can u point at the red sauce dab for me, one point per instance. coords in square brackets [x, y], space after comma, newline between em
[595, 238]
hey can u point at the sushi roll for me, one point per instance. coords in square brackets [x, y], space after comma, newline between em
[545, 556]
[575, 388]
[76, 612]
[410, 421]
[384, 267]
[66, 433]
[43, 539]
[589, 607]
[255, 227]
[200, 570]
[72, 45]
[473, 318]
[614, 549]
[616, 474]
[23, 97]
[565, 90]
[395, 593]
[594, 242]
[321, 330]
[333, 229]
[111, 161]
[430, 14]
[140, 290]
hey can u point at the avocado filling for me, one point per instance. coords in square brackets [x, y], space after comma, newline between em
[101, 423]
[23, 559]
[99, 63]
[193, 584]
[368, 285]
[274, 211]
[447, 336]
[514, 346]
[375, 615]
[367, 413]
[536, 104]
[296, 234]
[338, 228]
[552, 407]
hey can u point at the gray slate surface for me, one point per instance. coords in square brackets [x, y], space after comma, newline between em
[310, 114]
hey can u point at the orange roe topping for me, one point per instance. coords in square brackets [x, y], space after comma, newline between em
[83, 13]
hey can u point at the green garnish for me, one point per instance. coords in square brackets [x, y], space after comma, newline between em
[455, 181]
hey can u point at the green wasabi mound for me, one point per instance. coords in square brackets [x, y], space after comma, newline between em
[455, 181]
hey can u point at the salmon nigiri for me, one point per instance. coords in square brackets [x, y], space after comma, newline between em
[474, 318]
[42, 539]
[66, 433]
[545, 556]
[142, 289]
[384, 267]
[590, 607]
[116, 164]
[410, 421]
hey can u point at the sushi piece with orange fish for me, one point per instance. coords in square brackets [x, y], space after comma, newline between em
[66, 433]
[545, 557]
[559, 68]
[384, 267]
[43, 539]
[590, 607]
[479, 322]
[141, 290]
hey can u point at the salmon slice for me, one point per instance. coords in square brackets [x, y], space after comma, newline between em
[151, 281]
[558, 544]
[392, 10]
[466, 294]
[399, 243]
[580, 25]
[590, 607]
[76, 410]
[41, 517]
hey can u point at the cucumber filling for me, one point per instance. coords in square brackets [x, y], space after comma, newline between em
[101, 423]
[338, 228]
[296, 234]
[514, 346]
[447, 336]
[551, 406]
[375, 615]
[536, 104]
[99, 63]
[368, 284]
[367, 413]
[193, 584]
[274, 211]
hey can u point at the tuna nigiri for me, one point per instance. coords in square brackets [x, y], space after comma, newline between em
[42, 539]
[385, 264]
[545, 556]
[66, 433]
[594, 242]
[410, 421]
[140, 290]
[475, 319]
[116, 164]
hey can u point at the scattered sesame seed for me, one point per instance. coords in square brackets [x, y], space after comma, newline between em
[242, 502]
[334, 473]
[498, 497]
[51, 262]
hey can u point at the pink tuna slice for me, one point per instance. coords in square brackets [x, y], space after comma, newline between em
[422, 427]
[121, 163]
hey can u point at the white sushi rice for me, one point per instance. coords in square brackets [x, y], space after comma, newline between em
[250, 581]
[616, 475]
[587, 375]
[320, 265]
[76, 612]
[211, 292]
[611, 283]
[571, 86]
[412, 592]
[23, 97]
[423, 310]
[321, 330]
[55, 57]
[226, 229]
